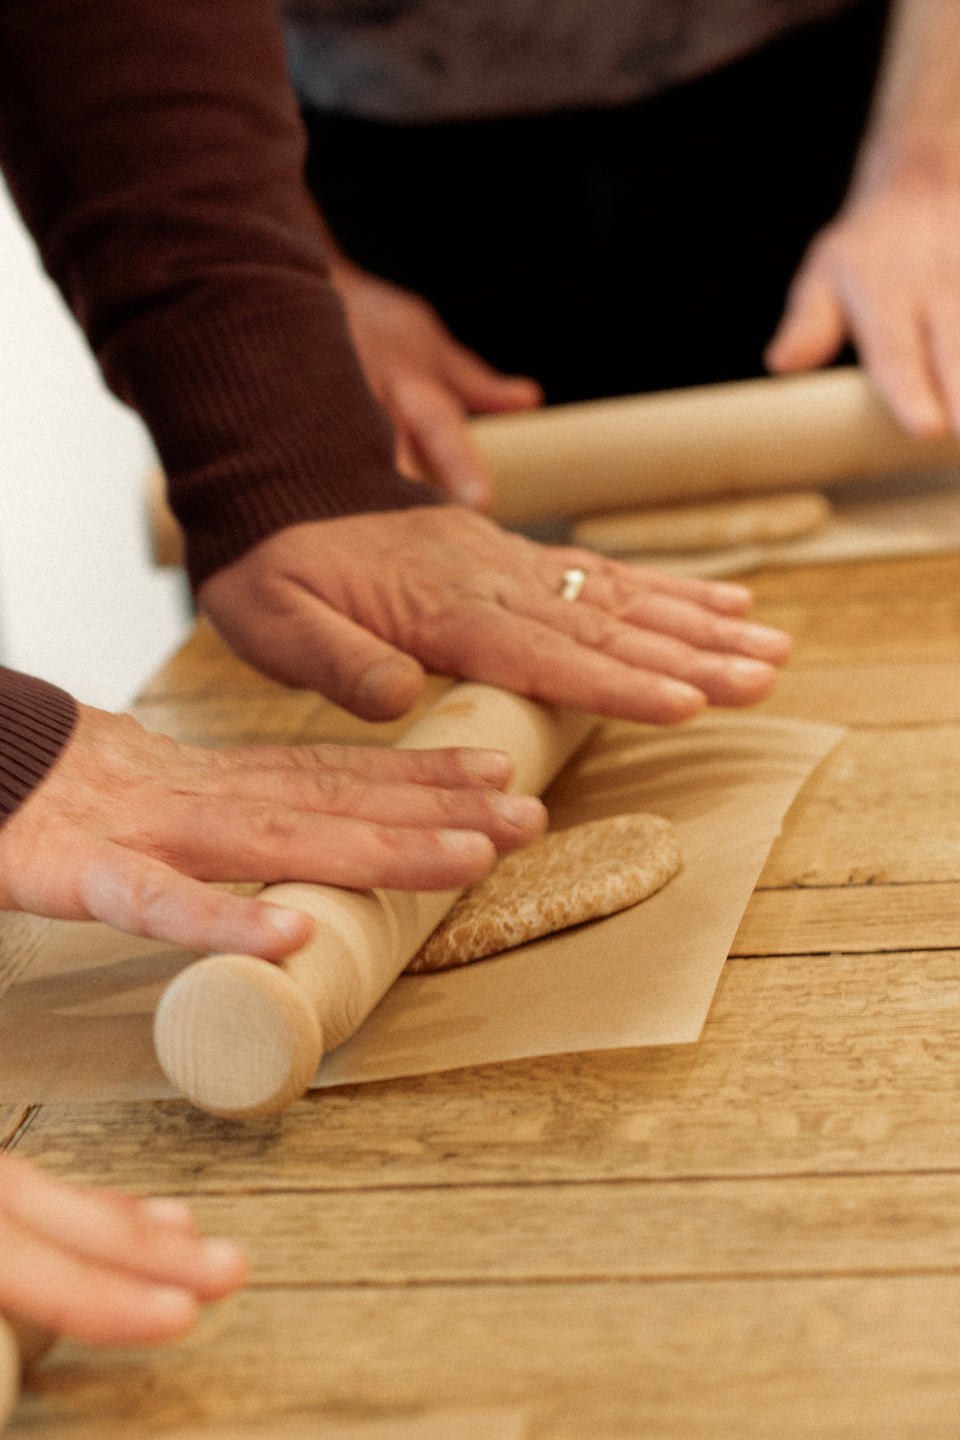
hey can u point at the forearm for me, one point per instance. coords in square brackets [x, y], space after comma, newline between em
[914, 130]
[156, 153]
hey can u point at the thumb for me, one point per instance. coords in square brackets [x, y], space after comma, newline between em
[813, 327]
[315, 647]
[140, 895]
[321, 649]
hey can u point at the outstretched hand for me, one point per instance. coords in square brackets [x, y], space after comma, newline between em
[428, 383]
[103, 1267]
[126, 826]
[359, 606]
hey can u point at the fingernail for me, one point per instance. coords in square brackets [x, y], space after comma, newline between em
[288, 923]
[681, 692]
[492, 766]
[740, 668]
[222, 1259]
[172, 1307]
[762, 641]
[467, 842]
[176, 1213]
[388, 688]
[723, 590]
[524, 811]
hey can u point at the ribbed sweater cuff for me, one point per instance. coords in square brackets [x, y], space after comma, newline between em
[261, 416]
[36, 720]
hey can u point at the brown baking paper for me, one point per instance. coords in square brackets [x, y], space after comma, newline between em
[76, 1015]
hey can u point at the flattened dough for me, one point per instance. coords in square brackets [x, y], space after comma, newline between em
[751, 521]
[561, 879]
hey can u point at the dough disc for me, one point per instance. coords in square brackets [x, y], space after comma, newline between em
[561, 879]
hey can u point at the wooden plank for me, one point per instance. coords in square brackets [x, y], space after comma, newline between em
[889, 629]
[800, 1360]
[873, 694]
[837, 1064]
[825, 585]
[847, 1225]
[862, 918]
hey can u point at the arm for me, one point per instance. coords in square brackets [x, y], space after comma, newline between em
[886, 273]
[157, 155]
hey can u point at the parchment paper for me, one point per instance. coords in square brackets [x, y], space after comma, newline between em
[75, 1021]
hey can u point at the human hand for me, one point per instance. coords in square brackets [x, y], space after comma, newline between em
[886, 276]
[104, 1267]
[428, 383]
[126, 826]
[354, 607]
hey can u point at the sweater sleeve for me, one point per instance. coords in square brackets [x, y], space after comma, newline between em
[156, 153]
[36, 720]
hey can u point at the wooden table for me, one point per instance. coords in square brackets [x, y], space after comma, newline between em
[756, 1236]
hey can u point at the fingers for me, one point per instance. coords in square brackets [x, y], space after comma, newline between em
[885, 274]
[484, 390]
[622, 648]
[813, 327]
[127, 886]
[944, 338]
[143, 896]
[619, 671]
[102, 1267]
[614, 591]
[893, 346]
[537, 660]
[434, 423]
[451, 768]
[428, 383]
[284, 800]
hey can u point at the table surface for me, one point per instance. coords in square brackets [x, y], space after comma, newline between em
[754, 1236]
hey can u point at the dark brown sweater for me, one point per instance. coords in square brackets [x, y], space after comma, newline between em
[155, 151]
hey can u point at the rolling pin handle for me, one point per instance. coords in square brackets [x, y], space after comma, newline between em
[276, 1043]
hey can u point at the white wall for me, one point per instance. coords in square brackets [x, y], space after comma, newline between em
[80, 602]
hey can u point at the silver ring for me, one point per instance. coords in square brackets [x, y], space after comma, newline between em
[572, 583]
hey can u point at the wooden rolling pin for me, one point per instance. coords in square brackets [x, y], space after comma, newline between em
[792, 432]
[772, 434]
[20, 1344]
[241, 1037]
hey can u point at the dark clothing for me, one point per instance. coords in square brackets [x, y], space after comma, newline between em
[610, 252]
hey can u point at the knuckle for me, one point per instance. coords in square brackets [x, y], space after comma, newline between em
[147, 897]
[334, 793]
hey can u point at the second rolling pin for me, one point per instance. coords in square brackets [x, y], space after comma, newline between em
[783, 433]
[241, 1037]
[670, 447]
